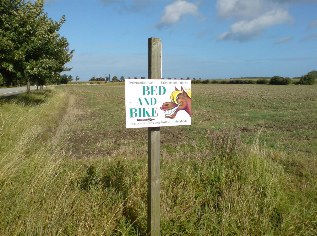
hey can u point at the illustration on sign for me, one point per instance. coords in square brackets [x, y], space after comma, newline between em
[157, 102]
[180, 100]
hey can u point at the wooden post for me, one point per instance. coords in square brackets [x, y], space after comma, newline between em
[154, 72]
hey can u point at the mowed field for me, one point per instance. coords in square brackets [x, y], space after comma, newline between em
[246, 166]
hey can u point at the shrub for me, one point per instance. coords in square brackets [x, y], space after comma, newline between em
[235, 81]
[251, 81]
[278, 80]
[313, 73]
[262, 81]
[195, 81]
[308, 79]
[241, 81]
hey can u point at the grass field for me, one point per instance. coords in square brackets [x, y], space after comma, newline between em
[246, 166]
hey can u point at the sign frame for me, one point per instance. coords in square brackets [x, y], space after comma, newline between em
[157, 103]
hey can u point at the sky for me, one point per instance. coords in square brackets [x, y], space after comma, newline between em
[201, 38]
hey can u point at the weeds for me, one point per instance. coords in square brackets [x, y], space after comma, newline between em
[246, 166]
[226, 143]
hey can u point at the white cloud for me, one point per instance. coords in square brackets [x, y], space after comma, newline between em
[252, 17]
[247, 29]
[174, 12]
[241, 8]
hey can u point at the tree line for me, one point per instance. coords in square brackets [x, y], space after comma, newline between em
[308, 79]
[31, 48]
[107, 79]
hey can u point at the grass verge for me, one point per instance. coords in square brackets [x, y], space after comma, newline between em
[68, 166]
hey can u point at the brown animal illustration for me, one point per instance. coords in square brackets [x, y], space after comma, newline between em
[180, 100]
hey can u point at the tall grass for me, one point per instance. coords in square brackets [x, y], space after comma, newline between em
[68, 166]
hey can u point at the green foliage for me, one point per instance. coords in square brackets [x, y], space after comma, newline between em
[195, 81]
[262, 81]
[97, 79]
[278, 80]
[90, 180]
[65, 79]
[308, 79]
[115, 79]
[313, 74]
[230, 81]
[241, 81]
[1, 80]
[30, 45]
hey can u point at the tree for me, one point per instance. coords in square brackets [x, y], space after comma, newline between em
[278, 80]
[308, 79]
[122, 79]
[97, 79]
[262, 81]
[64, 79]
[77, 78]
[30, 45]
[115, 79]
[313, 73]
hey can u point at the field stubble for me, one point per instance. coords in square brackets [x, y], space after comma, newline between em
[246, 166]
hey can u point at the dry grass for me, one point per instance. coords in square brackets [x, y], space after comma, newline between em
[246, 166]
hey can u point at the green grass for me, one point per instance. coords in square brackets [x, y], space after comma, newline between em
[246, 166]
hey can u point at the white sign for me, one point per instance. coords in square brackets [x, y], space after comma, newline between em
[157, 102]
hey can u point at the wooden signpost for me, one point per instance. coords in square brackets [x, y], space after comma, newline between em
[153, 103]
[154, 136]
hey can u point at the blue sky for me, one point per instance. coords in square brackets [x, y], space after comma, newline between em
[201, 38]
